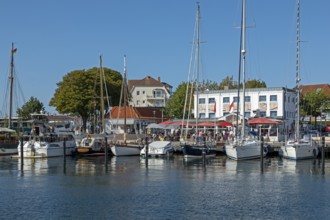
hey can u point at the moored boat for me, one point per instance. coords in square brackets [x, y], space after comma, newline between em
[158, 149]
[44, 142]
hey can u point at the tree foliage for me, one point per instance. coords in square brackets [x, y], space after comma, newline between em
[175, 106]
[313, 103]
[31, 106]
[79, 92]
[253, 83]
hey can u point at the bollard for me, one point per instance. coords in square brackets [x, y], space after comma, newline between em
[106, 154]
[262, 154]
[323, 145]
[22, 153]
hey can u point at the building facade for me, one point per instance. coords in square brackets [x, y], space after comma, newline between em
[277, 102]
[149, 92]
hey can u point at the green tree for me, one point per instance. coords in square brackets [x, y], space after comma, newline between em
[253, 83]
[228, 83]
[31, 106]
[79, 92]
[313, 102]
[175, 106]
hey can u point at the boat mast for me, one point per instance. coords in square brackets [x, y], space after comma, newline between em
[197, 61]
[124, 94]
[240, 69]
[11, 85]
[101, 97]
[297, 125]
[243, 52]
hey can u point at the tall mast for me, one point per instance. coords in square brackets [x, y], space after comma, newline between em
[124, 94]
[243, 52]
[11, 85]
[197, 59]
[298, 73]
[101, 97]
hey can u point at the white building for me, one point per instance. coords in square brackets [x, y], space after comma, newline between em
[149, 92]
[277, 102]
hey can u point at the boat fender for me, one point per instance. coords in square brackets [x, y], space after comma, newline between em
[266, 149]
[280, 152]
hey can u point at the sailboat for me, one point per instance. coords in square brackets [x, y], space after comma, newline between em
[299, 148]
[8, 136]
[122, 147]
[95, 144]
[243, 147]
[199, 147]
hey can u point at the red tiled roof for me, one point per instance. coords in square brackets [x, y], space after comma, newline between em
[136, 112]
[147, 81]
[325, 88]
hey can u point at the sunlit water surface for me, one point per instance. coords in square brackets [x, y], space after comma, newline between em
[130, 188]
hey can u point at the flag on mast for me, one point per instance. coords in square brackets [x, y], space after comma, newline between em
[231, 107]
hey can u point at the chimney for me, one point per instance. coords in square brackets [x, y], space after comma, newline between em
[158, 78]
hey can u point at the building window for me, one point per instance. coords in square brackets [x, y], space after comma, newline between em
[273, 98]
[293, 100]
[211, 115]
[226, 113]
[144, 101]
[225, 99]
[201, 101]
[137, 102]
[211, 100]
[137, 92]
[247, 98]
[273, 113]
[201, 115]
[247, 114]
[262, 114]
[262, 98]
[143, 92]
[235, 99]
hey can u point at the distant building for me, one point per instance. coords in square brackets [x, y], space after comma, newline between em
[149, 92]
[137, 118]
[277, 102]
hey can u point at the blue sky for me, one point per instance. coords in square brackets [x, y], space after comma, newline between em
[55, 37]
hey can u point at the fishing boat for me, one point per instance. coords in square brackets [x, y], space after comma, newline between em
[8, 136]
[298, 148]
[45, 141]
[199, 147]
[243, 146]
[122, 147]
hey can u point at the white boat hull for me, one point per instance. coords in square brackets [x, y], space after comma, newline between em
[158, 149]
[299, 150]
[126, 150]
[8, 151]
[44, 149]
[244, 151]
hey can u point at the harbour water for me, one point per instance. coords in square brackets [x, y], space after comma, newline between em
[130, 188]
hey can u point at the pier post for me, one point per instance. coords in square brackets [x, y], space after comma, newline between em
[22, 153]
[64, 155]
[203, 152]
[147, 151]
[106, 154]
[323, 145]
[262, 154]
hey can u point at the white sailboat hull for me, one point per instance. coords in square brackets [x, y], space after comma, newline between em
[126, 150]
[46, 149]
[299, 150]
[245, 150]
